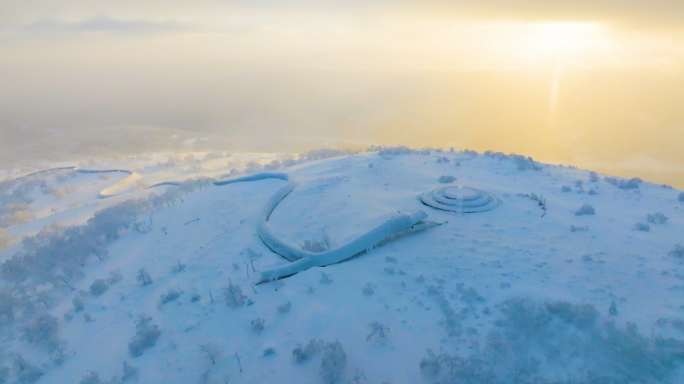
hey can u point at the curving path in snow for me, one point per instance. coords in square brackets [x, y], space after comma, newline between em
[396, 227]
[399, 226]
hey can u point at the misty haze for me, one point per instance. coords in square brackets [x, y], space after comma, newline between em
[341, 192]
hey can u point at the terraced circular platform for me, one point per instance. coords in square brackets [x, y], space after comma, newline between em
[460, 199]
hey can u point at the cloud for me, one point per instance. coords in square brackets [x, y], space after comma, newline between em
[106, 24]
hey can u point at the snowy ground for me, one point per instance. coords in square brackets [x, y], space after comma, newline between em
[508, 252]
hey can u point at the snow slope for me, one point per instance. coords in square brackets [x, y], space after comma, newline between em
[507, 252]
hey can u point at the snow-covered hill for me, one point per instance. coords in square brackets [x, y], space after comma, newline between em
[513, 294]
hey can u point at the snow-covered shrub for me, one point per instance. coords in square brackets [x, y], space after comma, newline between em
[586, 209]
[390, 270]
[195, 297]
[114, 277]
[566, 188]
[574, 228]
[268, 352]
[129, 372]
[233, 296]
[593, 192]
[642, 227]
[42, 330]
[443, 159]
[524, 163]
[446, 179]
[301, 354]
[325, 279]
[178, 267]
[258, 325]
[469, 295]
[314, 246]
[143, 277]
[420, 279]
[98, 287]
[677, 251]
[333, 363]
[171, 295]
[368, 289]
[284, 308]
[391, 151]
[681, 197]
[24, 370]
[378, 329]
[78, 303]
[658, 218]
[91, 378]
[326, 153]
[624, 184]
[146, 336]
[391, 259]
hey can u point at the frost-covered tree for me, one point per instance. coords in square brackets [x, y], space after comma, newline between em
[593, 177]
[98, 287]
[42, 330]
[8, 303]
[146, 336]
[57, 350]
[301, 353]
[212, 350]
[24, 370]
[333, 363]
[143, 277]
[233, 295]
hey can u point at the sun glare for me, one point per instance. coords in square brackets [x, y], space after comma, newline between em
[561, 40]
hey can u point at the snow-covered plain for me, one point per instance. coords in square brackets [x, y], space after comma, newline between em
[448, 289]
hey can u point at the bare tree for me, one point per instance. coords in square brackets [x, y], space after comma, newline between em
[144, 277]
[212, 350]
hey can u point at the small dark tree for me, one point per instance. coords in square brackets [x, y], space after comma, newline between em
[144, 277]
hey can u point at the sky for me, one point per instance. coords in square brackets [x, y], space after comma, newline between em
[595, 84]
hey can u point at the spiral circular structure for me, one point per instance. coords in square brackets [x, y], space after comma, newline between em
[460, 199]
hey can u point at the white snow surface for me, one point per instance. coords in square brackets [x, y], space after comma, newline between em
[337, 200]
